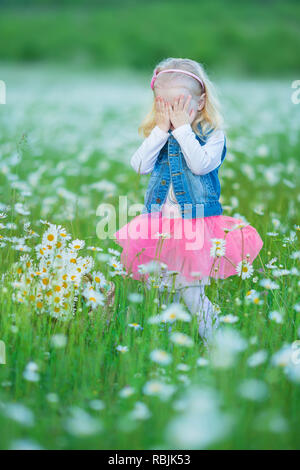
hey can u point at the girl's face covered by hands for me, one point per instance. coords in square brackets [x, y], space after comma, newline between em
[179, 97]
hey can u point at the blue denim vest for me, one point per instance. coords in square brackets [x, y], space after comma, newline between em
[197, 195]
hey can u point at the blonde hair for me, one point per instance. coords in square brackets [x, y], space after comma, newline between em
[209, 117]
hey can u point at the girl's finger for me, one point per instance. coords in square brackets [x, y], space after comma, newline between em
[187, 103]
[161, 105]
[175, 105]
[180, 102]
[156, 103]
[192, 115]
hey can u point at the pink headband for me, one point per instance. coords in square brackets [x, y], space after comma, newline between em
[155, 75]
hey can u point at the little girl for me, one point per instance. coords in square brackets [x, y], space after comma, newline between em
[181, 225]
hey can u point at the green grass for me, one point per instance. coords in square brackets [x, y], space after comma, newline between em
[63, 132]
[248, 38]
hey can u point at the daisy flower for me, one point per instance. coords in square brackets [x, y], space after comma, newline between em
[99, 279]
[135, 326]
[113, 252]
[77, 244]
[94, 248]
[59, 340]
[116, 265]
[126, 391]
[257, 358]
[135, 297]
[218, 247]
[86, 264]
[162, 235]
[161, 357]
[140, 411]
[160, 389]
[63, 233]
[20, 209]
[152, 266]
[93, 298]
[201, 362]
[175, 312]
[254, 296]
[239, 225]
[276, 317]
[268, 284]
[154, 320]
[229, 318]
[50, 237]
[270, 264]
[244, 269]
[122, 349]
[181, 339]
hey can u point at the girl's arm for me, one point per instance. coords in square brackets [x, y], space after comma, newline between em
[143, 160]
[200, 159]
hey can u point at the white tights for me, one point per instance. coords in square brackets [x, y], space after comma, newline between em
[199, 304]
[196, 301]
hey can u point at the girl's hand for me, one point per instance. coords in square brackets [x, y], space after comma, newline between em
[162, 117]
[179, 113]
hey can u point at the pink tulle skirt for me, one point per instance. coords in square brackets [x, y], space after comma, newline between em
[200, 248]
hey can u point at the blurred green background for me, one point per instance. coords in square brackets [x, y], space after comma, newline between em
[243, 38]
[67, 133]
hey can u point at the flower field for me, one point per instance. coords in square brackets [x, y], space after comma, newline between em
[85, 368]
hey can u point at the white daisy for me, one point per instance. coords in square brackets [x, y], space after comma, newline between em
[140, 411]
[135, 297]
[49, 238]
[181, 339]
[113, 252]
[201, 362]
[244, 269]
[126, 391]
[229, 318]
[162, 235]
[276, 316]
[254, 296]
[257, 358]
[77, 244]
[99, 279]
[59, 341]
[122, 349]
[160, 389]
[114, 263]
[268, 284]
[161, 357]
[175, 312]
[152, 266]
[218, 247]
[136, 326]
[93, 298]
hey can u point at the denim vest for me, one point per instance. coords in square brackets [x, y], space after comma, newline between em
[197, 195]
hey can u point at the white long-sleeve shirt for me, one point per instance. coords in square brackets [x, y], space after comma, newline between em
[200, 159]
